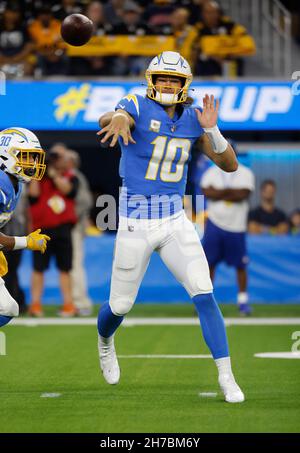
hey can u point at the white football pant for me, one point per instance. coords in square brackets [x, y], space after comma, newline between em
[179, 246]
[8, 305]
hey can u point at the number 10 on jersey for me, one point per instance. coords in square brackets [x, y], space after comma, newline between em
[163, 156]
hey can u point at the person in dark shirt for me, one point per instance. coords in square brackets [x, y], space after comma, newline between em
[132, 25]
[215, 24]
[294, 221]
[158, 12]
[63, 8]
[15, 44]
[113, 11]
[266, 218]
[96, 65]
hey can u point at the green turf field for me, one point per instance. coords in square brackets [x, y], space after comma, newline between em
[154, 395]
[187, 310]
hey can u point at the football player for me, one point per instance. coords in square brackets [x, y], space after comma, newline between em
[156, 133]
[21, 160]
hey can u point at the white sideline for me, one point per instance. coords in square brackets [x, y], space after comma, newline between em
[130, 322]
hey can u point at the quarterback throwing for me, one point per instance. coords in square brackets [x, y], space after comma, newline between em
[156, 133]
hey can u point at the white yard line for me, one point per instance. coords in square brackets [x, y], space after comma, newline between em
[278, 355]
[166, 356]
[130, 322]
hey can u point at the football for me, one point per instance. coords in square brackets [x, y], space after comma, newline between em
[77, 29]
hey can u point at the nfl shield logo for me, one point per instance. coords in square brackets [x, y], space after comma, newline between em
[154, 126]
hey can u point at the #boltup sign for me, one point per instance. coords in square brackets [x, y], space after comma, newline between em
[72, 105]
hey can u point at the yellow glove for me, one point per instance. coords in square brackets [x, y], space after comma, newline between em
[3, 265]
[37, 241]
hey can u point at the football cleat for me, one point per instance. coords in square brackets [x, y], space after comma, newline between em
[68, 311]
[36, 310]
[245, 309]
[108, 360]
[230, 389]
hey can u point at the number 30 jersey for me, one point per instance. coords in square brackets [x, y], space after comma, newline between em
[154, 170]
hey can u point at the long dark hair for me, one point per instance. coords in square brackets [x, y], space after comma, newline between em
[188, 102]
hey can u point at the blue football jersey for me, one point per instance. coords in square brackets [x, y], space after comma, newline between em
[8, 198]
[154, 170]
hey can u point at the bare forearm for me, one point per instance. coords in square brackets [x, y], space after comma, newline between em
[23, 54]
[214, 194]
[255, 228]
[63, 185]
[233, 195]
[107, 117]
[227, 160]
[236, 195]
[282, 228]
[7, 243]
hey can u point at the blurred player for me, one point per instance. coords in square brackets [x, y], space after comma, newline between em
[154, 170]
[21, 160]
[226, 227]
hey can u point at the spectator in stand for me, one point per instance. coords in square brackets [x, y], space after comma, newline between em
[295, 222]
[15, 45]
[113, 10]
[53, 209]
[45, 33]
[266, 218]
[83, 204]
[184, 33]
[225, 231]
[210, 58]
[62, 9]
[158, 14]
[95, 11]
[99, 65]
[132, 25]
[194, 8]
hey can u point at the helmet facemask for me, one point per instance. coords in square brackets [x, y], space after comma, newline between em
[30, 164]
[178, 96]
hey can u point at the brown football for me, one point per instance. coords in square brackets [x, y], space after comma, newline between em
[77, 29]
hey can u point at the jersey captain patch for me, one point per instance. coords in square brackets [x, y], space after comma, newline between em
[154, 125]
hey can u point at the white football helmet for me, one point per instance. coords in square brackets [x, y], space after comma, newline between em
[168, 63]
[21, 154]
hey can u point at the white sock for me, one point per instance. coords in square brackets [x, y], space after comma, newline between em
[106, 341]
[224, 365]
[242, 298]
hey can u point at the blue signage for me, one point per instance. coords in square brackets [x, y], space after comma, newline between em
[77, 105]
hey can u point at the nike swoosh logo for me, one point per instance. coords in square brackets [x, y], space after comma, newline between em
[122, 106]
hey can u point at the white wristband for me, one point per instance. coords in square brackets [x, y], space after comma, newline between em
[217, 141]
[20, 242]
[120, 114]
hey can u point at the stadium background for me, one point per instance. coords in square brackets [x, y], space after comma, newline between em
[50, 379]
[259, 111]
